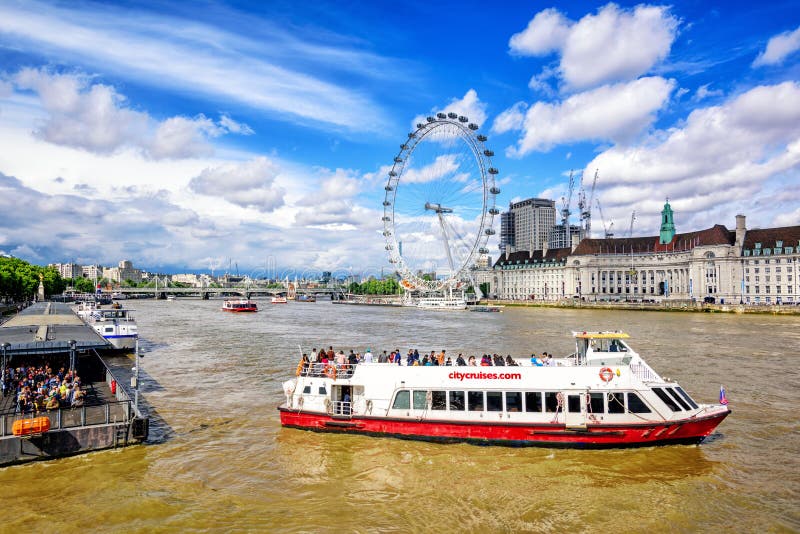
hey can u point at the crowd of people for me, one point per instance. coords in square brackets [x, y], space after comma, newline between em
[328, 362]
[41, 388]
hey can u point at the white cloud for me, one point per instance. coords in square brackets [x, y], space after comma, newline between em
[279, 71]
[720, 157]
[249, 185]
[779, 48]
[511, 119]
[469, 106]
[613, 112]
[704, 92]
[615, 44]
[94, 117]
[546, 32]
[442, 166]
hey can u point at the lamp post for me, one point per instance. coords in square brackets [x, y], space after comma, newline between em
[4, 347]
[136, 377]
[72, 344]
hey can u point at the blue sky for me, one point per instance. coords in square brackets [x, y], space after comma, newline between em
[185, 135]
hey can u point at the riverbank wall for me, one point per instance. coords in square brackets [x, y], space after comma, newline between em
[664, 306]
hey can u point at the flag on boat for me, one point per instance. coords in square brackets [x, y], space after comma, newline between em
[722, 398]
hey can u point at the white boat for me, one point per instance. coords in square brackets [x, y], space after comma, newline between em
[442, 303]
[279, 299]
[115, 324]
[602, 395]
[170, 298]
[239, 306]
[118, 296]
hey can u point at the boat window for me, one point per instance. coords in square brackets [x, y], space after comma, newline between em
[438, 400]
[322, 390]
[533, 401]
[475, 401]
[687, 397]
[513, 401]
[494, 401]
[307, 390]
[574, 403]
[457, 400]
[616, 403]
[109, 329]
[420, 400]
[677, 398]
[666, 399]
[596, 404]
[551, 401]
[402, 401]
[636, 404]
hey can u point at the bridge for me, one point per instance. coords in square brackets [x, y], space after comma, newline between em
[207, 292]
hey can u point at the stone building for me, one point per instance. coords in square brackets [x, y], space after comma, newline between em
[715, 264]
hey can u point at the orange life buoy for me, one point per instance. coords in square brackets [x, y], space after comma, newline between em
[330, 371]
[606, 374]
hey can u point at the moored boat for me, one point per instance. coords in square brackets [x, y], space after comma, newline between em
[442, 303]
[239, 306]
[279, 299]
[602, 395]
[116, 324]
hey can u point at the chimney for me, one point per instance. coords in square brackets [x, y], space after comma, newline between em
[741, 230]
[576, 239]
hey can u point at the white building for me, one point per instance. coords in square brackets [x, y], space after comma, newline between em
[68, 270]
[752, 267]
[123, 272]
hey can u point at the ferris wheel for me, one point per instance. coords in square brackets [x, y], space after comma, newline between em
[439, 207]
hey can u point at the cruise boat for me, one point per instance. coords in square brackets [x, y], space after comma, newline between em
[116, 324]
[442, 303]
[305, 298]
[279, 299]
[239, 306]
[603, 395]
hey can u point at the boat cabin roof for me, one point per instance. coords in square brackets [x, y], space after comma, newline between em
[601, 335]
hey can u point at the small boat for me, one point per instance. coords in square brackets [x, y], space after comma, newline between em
[118, 296]
[239, 306]
[305, 298]
[484, 308]
[442, 303]
[170, 298]
[279, 299]
[116, 324]
[603, 395]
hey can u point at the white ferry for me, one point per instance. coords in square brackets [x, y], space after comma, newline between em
[239, 306]
[442, 303]
[603, 395]
[279, 299]
[115, 324]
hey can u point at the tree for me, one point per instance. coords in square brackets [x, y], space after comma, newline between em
[485, 287]
[83, 285]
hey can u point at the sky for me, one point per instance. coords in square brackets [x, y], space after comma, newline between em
[258, 136]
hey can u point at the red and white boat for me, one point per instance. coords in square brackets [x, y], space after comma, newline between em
[603, 395]
[279, 299]
[239, 306]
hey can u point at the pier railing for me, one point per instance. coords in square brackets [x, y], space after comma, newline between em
[80, 416]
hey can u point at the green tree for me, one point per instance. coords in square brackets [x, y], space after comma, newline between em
[83, 285]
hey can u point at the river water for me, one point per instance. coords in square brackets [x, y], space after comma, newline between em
[218, 459]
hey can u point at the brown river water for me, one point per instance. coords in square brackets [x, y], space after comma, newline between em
[218, 459]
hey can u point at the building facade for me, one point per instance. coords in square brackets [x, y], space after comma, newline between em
[68, 270]
[124, 271]
[750, 267]
[532, 221]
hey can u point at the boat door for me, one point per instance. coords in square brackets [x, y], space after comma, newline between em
[342, 400]
[575, 410]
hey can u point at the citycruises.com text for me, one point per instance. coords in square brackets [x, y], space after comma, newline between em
[484, 376]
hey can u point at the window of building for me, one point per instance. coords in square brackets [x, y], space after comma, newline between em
[438, 400]
[513, 401]
[457, 400]
[616, 403]
[475, 401]
[636, 404]
[533, 401]
[420, 399]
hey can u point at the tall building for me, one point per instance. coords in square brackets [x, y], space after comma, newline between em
[532, 220]
[123, 272]
[68, 270]
[506, 230]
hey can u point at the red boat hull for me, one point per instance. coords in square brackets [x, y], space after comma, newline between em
[686, 431]
[240, 310]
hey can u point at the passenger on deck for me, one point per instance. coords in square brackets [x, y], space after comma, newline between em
[498, 360]
[510, 360]
[426, 361]
[536, 361]
[486, 361]
[383, 357]
[614, 347]
[472, 361]
[441, 357]
[368, 356]
[460, 360]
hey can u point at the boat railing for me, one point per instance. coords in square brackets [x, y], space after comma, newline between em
[336, 370]
[342, 408]
[644, 372]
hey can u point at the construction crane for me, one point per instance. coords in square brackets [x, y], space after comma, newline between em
[566, 201]
[633, 218]
[585, 206]
[606, 229]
